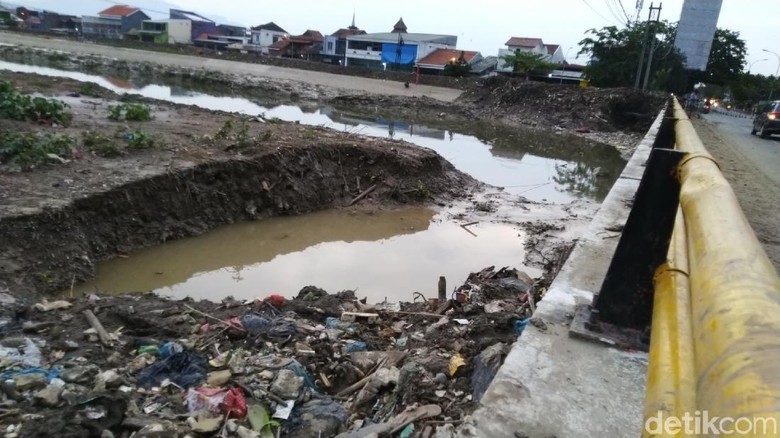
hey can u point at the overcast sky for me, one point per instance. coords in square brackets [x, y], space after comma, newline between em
[485, 25]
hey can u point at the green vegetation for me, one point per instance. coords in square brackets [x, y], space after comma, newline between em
[458, 67]
[237, 133]
[143, 140]
[17, 106]
[89, 89]
[29, 150]
[101, 145]
[132, 112]
[523, 63]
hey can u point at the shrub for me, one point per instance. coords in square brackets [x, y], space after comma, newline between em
[17, 106]
[143, 140]
[28, 150]
[100, 144]
[132, 112]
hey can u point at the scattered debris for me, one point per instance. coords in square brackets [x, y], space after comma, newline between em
[317, 365]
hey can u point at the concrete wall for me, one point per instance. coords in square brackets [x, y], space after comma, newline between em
[554, 385]
[179, 31]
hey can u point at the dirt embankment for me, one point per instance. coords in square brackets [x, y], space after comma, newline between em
[63, 216]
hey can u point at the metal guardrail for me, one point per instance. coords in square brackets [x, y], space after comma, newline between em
[715, 337]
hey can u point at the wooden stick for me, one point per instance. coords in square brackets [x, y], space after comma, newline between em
[228, 323]
[95, 323]
[428, 315]
[464, 226]
[364, 194]
[362, 382]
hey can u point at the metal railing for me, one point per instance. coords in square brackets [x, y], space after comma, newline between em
[715, 337]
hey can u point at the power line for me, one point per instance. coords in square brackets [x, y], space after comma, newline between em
[628, 19]
[612, 11]
[597, 12]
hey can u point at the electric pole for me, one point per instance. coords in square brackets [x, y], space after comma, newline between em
[645, 36]
[652, 22]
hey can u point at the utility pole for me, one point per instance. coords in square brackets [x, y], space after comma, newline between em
[638, 79]
[652, 22]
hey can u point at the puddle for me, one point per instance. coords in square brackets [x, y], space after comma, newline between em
[502, 161]
[387, 254]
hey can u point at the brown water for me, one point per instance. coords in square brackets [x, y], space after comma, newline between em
[383, 254]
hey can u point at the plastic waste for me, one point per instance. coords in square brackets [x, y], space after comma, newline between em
[356, 346]
[401, 342]
[456, 362]
[184, 369]
[275, 300]
[318, 415]
[32, 354]
[255, 324]
[51, 374]
[168, 349]
[230, 402]
[521, 324]
[407, 431]
[260, 421]
[486, 366]
[300, 371]
[148, 349]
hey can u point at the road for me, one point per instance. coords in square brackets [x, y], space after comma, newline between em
[752, 167]
[342, 82]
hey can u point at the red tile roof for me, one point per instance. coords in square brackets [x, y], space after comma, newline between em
[443, 56]
[342, 34]
[523, 42]
[119, 10]
[551, 48]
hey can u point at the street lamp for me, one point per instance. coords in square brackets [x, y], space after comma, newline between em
[758, 60]
[776, 71]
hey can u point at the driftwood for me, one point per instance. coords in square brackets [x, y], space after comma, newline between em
[227, 323]
[465, 227]
[95, 323]
[362, 195]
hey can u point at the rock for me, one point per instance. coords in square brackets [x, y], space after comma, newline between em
[441, 378]
[244, 432]
[107, 379]
[29, 382]
[164, 429]
[47, 306]
[140, 362]
[70, 345]
[106, 434]
[207, 424]
[266, 375]
[79, 374]
[218, 378]
[49, 396]
[287, 385]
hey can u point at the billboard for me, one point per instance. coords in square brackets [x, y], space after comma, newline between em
[698, 21]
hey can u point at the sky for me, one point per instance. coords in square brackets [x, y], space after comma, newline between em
[483, 25]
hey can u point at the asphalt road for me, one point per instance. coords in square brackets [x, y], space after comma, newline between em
[341, 82]
[763, 153]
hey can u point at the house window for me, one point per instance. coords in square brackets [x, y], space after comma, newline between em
[330, 46]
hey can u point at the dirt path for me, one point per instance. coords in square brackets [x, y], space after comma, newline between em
[757, 193]
[346, 83]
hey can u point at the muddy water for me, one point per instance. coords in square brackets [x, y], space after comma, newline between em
[387, 254]
[533, 165]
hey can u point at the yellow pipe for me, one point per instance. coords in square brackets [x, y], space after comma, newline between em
[670, 375]
[735, 295]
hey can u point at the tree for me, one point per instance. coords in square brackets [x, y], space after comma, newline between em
[524, 63]
[615, 54]
[727, 58]
[458, 67]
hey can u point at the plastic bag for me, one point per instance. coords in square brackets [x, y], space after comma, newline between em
[184, 369]
[169, 349]
[32, 354]
[230, 402]
[486, 366]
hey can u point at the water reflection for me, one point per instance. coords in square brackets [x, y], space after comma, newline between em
[386, 254]
[524, 162]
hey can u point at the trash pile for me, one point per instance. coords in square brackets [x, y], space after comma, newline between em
[318, 365]
[580, 109]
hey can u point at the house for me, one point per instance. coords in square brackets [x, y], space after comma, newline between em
[334, 46]
[169, 31]
[113, 23]
[554, 53]
[231, 31]
[300, 46]
[397, 48]
[7, 18]
[265, 35]
[435, 61]
[47, 21]
[550, 52]
[220, 42]
[198, 23]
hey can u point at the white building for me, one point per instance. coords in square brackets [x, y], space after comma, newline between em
[551, 52]
[396, 48]
[168, 31]
[265, 35]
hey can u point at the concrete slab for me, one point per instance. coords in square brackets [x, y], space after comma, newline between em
[556, 385]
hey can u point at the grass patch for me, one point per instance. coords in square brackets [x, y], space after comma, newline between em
[17, 106]
[131, 112]
[90, 89]
[143, 140]
[29, 150]
[101, 145]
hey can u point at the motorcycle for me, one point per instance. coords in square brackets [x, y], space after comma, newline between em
[706, 109]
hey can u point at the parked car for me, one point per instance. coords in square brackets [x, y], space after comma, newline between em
[767, 121]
